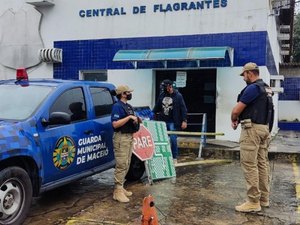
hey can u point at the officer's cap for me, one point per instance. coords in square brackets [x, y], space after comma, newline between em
[167, 82]
[123, 88]
[249, 66]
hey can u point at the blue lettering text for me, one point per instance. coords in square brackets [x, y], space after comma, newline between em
[139, 9]
[176, 6]
[216, 4]
[102, 12]
[208, 3]
[95, 12]
[184, 6]
[164, 7]
[155, 8]
[223, 3]
[169, 8]
[192, 6]
[200, 5]
[88, 13]
[82, 13]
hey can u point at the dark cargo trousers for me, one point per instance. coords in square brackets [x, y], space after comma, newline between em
[123, 150]
[254, 144]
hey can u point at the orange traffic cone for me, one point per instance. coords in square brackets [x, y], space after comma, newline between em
[149, 216]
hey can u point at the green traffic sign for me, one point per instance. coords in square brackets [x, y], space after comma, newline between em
[161, 165]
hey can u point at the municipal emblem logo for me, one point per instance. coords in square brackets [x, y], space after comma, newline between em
[64, 153]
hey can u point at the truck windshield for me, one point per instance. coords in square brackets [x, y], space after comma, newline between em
[18, 103]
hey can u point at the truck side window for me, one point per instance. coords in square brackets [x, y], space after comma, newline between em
[102, 100]
[71, 102]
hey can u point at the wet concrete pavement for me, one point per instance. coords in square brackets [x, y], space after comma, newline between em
[204, 193]
[286, 142]
[284, 145]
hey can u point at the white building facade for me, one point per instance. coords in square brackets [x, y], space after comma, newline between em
[202, 45]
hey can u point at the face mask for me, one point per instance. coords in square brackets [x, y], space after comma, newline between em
[129, 96]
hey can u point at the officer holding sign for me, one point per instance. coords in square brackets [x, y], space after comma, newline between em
[125, 123]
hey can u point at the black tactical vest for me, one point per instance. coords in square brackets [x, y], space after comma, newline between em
[130, 126]
[261, 110]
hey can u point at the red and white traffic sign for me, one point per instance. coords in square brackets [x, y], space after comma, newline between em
[143, 144]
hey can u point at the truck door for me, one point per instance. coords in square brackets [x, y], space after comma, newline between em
[60, 143]
[102, 103]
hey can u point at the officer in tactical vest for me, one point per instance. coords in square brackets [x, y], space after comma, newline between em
[254, 111]
[125, 123]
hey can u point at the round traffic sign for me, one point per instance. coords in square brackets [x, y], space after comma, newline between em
[143, 144]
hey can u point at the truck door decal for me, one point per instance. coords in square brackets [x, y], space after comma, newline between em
[64, 153]
[90, 149]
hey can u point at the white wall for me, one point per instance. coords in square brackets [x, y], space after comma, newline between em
[249, 14]
[62, 22]
[229, 85]
[43, 70]
[139, 80]
[276, 106]
[289, 110]
[272, 33]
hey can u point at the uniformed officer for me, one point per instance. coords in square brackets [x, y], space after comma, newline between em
[125, 123]
[254, 110]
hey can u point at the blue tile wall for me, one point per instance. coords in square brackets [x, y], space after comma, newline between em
[291, 89]
[98, 54]
[289, 126]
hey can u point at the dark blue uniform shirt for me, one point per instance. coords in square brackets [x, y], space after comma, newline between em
[250, 94]
[118, 111]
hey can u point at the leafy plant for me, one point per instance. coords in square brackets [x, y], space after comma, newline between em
[296, 39]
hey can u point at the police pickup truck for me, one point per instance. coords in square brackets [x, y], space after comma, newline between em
[52, 132]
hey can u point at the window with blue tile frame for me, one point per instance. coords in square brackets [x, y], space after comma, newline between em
[98, 54]
[291, 89]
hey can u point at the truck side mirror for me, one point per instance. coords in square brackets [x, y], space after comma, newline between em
[57, 118]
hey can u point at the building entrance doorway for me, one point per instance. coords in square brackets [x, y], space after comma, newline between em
[199, 94]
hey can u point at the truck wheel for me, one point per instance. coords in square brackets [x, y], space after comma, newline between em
[15, 195]
[136, 169]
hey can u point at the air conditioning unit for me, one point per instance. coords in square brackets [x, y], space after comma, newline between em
[51, 55]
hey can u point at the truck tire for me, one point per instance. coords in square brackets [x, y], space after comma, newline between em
[15, 195]
[136, 169]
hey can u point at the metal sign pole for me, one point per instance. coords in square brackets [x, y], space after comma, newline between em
[148, 172]
[203, 137]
